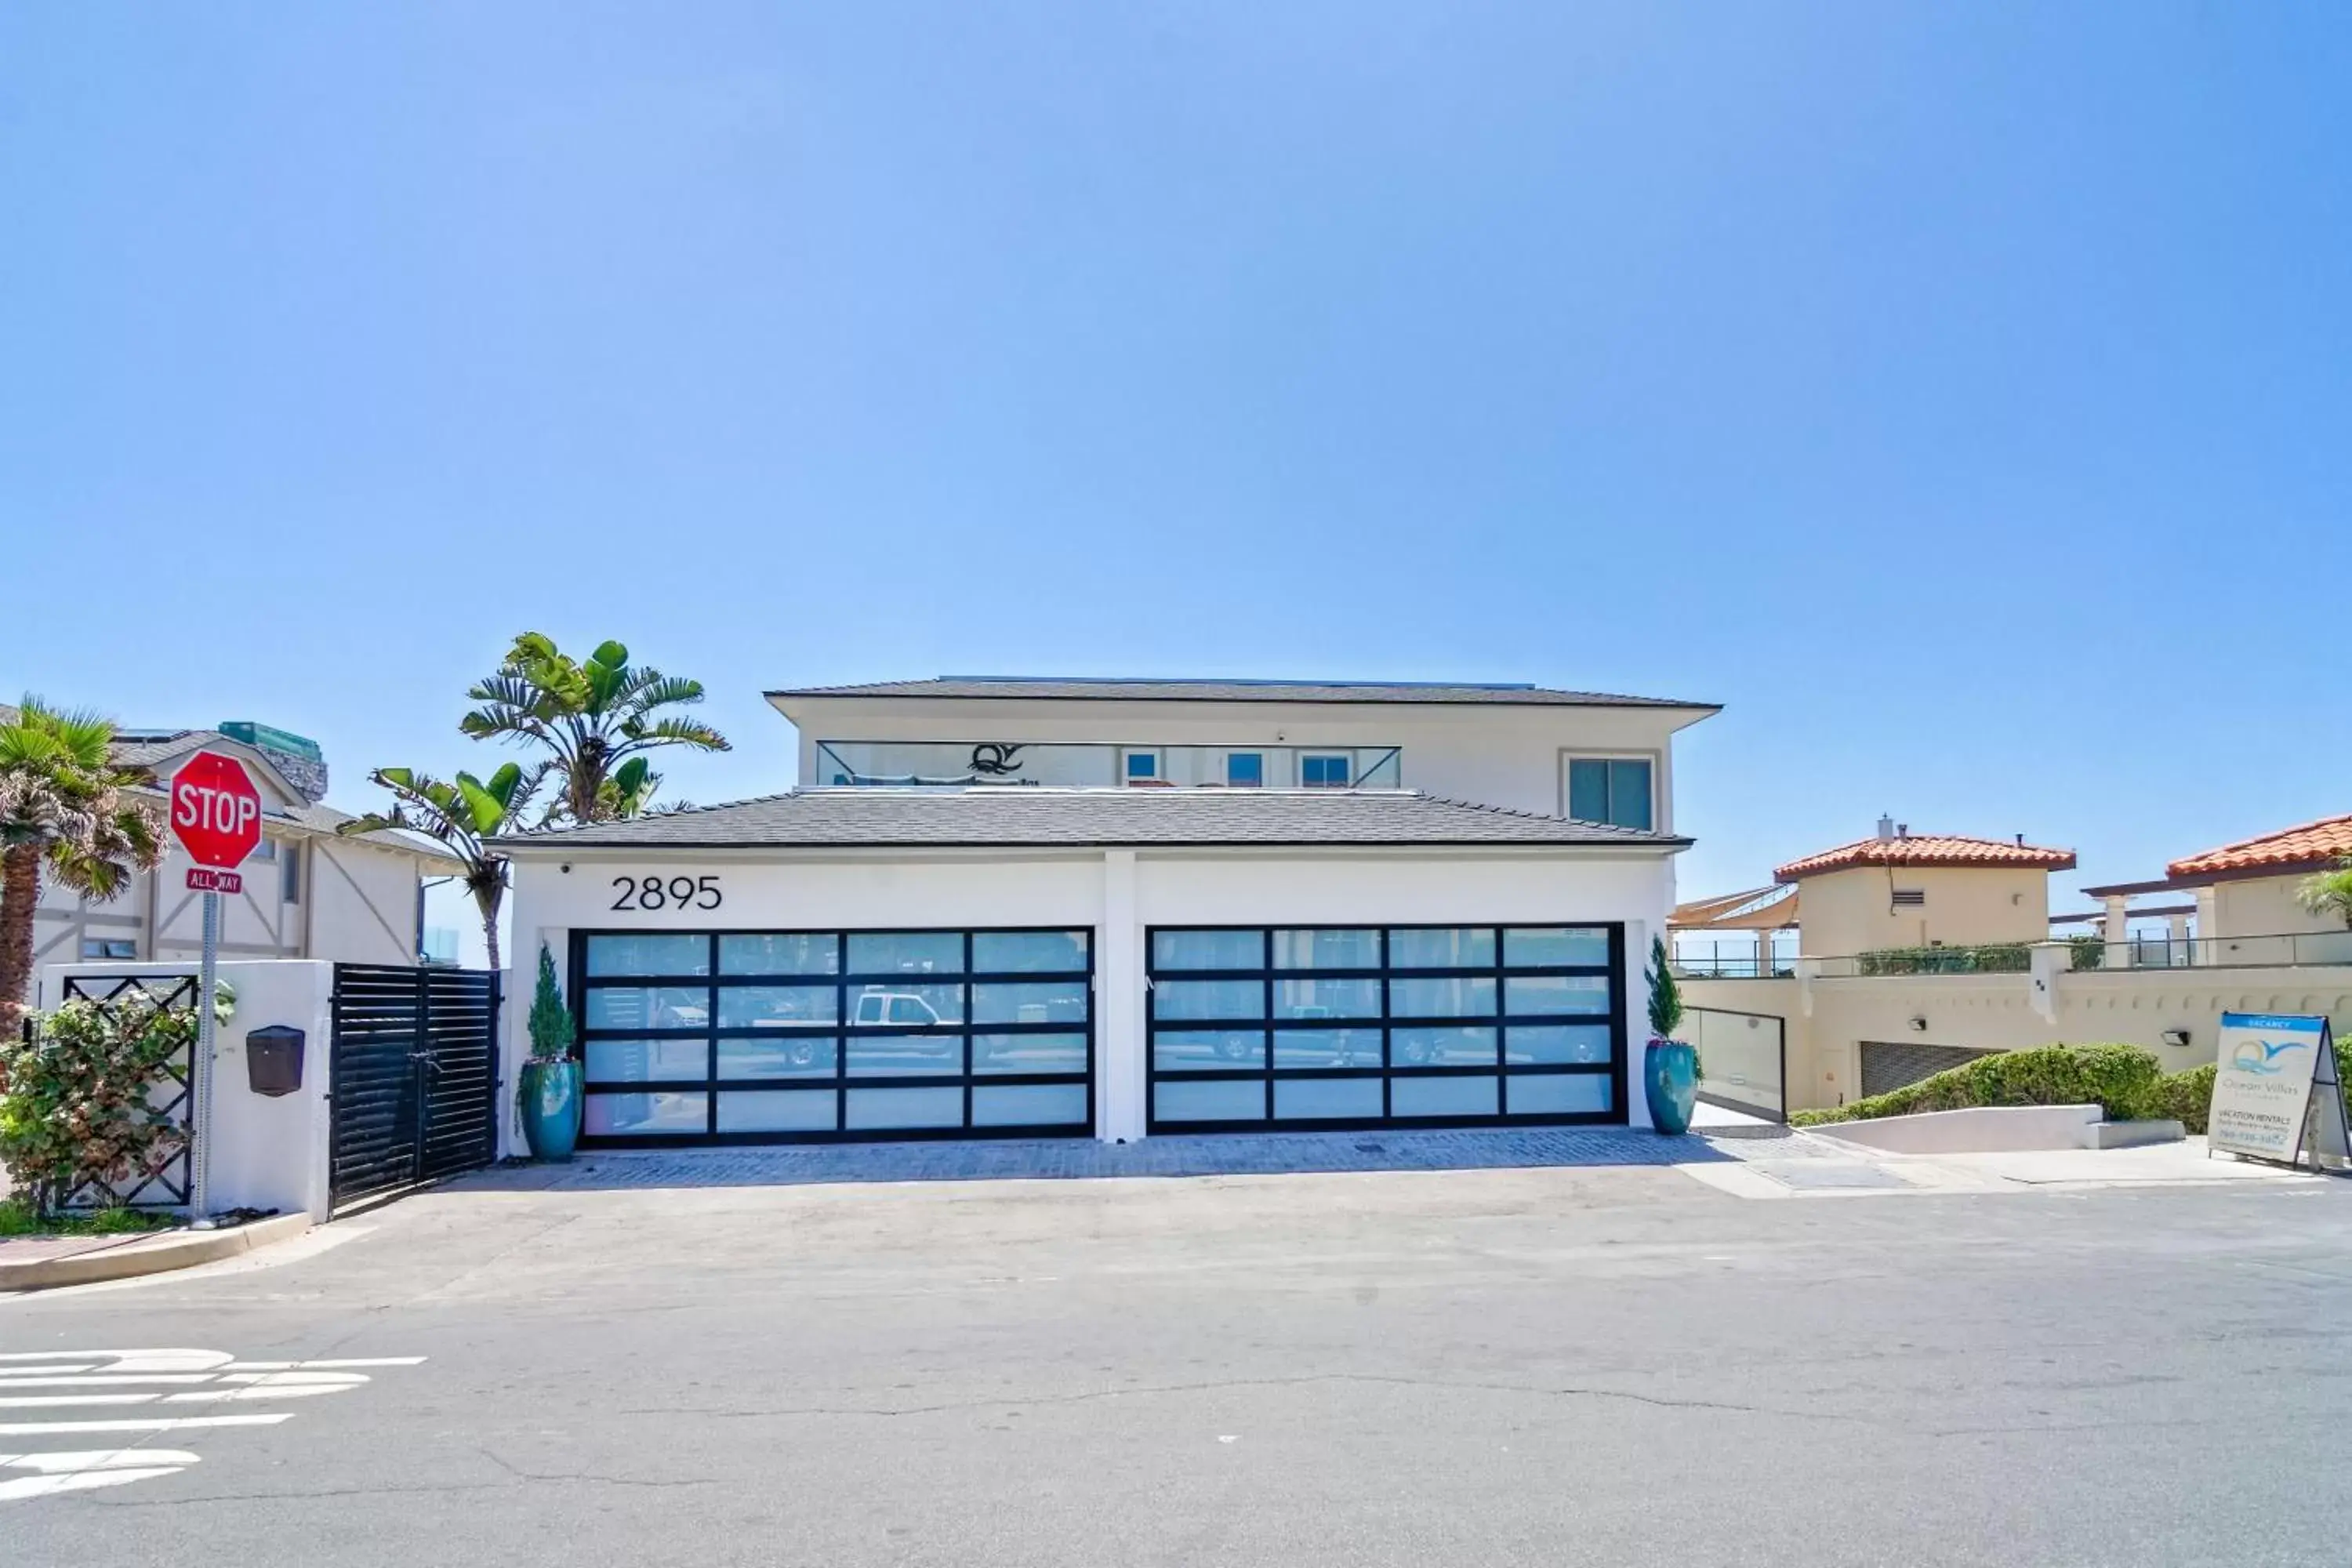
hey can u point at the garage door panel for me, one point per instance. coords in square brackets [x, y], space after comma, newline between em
[1358, 1026]
[809, 1036]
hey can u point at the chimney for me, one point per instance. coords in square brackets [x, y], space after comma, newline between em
[2020, 841]
[1885, 828]
[1902, 830]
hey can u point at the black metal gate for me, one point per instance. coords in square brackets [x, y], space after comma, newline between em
[414, 1077]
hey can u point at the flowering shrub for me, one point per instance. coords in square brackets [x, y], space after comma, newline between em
[78, 1107]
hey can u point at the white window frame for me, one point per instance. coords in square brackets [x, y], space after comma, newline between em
[1260, 753]
[1158, 765]
[1659, 818]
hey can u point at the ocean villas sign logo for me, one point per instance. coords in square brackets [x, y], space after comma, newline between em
[2262, 1056]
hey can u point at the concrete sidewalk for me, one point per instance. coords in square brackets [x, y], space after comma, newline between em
[1817, 1165]
[43, 1263]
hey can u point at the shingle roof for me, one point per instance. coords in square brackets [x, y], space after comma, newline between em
[2312, 844]
[1002, 816]
[1144, 691]
[1926, 849]
[145, 749]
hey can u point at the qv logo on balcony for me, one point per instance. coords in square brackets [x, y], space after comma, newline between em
[2263, 1056]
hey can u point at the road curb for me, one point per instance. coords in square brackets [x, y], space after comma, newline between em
[184, 1250]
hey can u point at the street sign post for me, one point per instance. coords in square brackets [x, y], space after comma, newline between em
[216, 817]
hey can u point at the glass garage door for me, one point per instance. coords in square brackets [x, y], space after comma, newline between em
[1453, 1026]
[813, 1036]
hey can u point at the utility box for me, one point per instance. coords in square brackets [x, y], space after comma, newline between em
[273, 1059]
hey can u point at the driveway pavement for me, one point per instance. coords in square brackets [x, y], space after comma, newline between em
[1580, 1364]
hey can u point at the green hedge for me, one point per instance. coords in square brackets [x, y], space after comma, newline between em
[2000, 958]
[2123, 1079]
[2185, 1096]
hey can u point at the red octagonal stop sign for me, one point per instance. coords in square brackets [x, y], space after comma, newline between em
[215, 810]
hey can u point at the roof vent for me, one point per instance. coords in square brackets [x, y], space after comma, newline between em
[1885, 828]
[2020, 841]
[1902, 830]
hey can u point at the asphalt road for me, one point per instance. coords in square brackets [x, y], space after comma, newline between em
[1491, 1367]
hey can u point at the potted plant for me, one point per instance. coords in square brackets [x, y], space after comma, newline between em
[1669, 1066]
[549, 1100]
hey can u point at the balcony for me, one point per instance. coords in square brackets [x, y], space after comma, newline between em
[959, 764]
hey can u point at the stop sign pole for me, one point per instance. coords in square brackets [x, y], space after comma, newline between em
[216, 817]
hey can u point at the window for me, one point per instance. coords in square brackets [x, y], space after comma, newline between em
[1326, 772]
[1363, 1025]
[1614, 790]
[289, 876]
[1245, 769]
[1142, 767]
[109, 947]
[265, 850]
[768, 1036]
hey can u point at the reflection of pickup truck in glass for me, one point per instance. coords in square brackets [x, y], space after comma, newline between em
[877, 1009]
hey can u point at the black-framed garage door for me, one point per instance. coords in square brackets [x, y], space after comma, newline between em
[788, 1037]
[1367, 1026]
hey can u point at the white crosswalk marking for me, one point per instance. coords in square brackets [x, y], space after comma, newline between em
[88, 1378]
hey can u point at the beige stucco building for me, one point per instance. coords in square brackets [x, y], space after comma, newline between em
[1917, 953]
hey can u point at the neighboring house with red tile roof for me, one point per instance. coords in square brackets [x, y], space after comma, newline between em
[1898, 888]
[2250, 887]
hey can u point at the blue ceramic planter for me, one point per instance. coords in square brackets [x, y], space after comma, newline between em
[550, 1108]
[1670, 1083]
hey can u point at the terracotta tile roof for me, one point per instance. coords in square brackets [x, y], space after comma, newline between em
[1926, 849]
[2314, 843]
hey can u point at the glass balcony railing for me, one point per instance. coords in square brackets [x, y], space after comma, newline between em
[946, 764]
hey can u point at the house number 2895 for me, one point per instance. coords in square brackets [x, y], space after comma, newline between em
[676, 893]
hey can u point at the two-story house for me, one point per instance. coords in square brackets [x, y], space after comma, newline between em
[1010, 907]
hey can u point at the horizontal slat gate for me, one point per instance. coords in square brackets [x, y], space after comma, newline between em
[413, 1074]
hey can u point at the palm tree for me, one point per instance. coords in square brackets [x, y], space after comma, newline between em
[463, 814]
[2329, 893]
[595, 719]
[64, 805]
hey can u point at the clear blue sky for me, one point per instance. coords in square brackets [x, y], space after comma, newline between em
[1962, 395]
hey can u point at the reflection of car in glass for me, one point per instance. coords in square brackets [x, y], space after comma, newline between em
[903, 1010]
[875, 1008]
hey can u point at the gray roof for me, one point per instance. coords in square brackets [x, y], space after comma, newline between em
[145, 749]
[1144, 691]
[1001, 816]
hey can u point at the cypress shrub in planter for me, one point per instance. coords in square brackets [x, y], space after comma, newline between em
[548, 1099]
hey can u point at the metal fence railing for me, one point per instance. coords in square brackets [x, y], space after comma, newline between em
[2285, 950]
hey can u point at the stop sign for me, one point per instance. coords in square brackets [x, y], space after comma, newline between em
[215, 810]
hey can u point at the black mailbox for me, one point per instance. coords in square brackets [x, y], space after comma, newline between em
[273, 1059]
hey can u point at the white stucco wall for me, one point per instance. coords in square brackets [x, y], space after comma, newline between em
[266, 1151]
[1117, 893]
